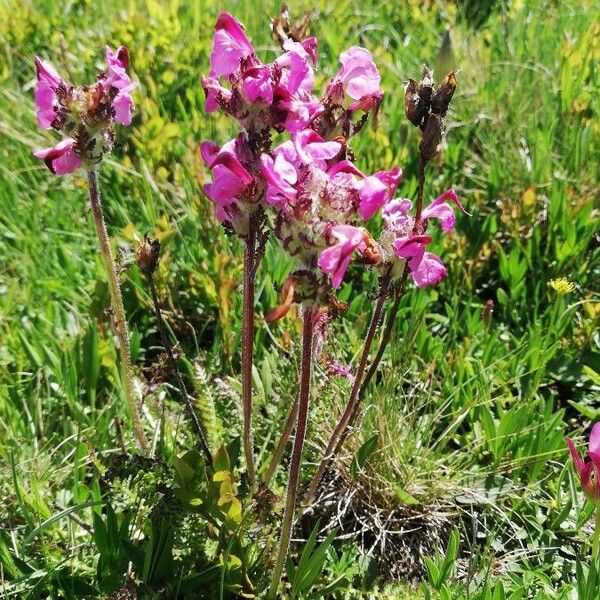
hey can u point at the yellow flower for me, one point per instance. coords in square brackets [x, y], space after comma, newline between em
[561, 286]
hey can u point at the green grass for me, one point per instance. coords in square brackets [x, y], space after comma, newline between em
[470, 416]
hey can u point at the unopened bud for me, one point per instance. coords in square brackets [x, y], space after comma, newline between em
[440, 100]
[147, 255]
[432, 137]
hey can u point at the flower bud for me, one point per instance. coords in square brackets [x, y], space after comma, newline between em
[440, 100]
[432, 137]
[147, 255]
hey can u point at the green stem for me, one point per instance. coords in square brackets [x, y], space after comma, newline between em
[282, 444]
[118, 310]
[292, 488]
[596, 536]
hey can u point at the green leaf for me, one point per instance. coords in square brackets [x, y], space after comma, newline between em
[363, 454]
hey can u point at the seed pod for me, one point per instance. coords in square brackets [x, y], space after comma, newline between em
[413, 107]
[147, 255]
[432, 137]
[426, 87]
[440, 101]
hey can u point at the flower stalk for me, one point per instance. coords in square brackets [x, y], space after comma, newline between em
[118, 310]
[596, 536]
[247, 349]
[294, 474]
[351, 406]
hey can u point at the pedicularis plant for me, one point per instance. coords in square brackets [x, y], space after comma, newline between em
[307, 192]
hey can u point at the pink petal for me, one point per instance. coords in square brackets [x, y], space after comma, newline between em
[358, 74]
[47, 73]
[209, 151]
[61, 158]
[440, 209]
[225, 187]
[335, 259]
[579, 464]
[230, 45]
[594, 441]
[376, 190]
[257, 85]
[431, 271]
[123, 105]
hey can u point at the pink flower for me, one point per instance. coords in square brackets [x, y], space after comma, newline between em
[440, 209]
[281, 176]
[118, 78]
[296, 72]
[590, 484]
[230, 46]
[376, 190]
[230, 178]
[60, 159]
[358, 76]
[215, 93]
[45, 92]
[257, 84]
[425, 268]
[335, 259]
[395, 215]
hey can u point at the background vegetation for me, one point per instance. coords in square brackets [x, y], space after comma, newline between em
[465, 428]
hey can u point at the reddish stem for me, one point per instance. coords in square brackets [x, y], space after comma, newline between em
[294, 474]
[247, 350]
[340, 428]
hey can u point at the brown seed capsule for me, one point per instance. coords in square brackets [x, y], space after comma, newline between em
[440, 101]
[147, 254]
[426, 87]
[413, 108]
[432, 137]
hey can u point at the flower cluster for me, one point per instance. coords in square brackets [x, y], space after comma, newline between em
[404, 240]
[320, 199]
[84, 114]
[589, 471]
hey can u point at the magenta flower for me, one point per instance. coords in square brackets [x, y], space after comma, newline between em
[589, 471]
[121, 84]
[60, 159]
[233, 189]
[85, 114]
[439, 209]
[335, 259]
[46, 97]
[230, 46]
[377, 190]
[358, 76]
[260, 96]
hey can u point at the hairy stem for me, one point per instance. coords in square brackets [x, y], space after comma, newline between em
[341, 430]
[197, 426]
[354, 399]
[386, 334]
[292, 487]
[283, 441]
[118, 311]
[247, 350]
